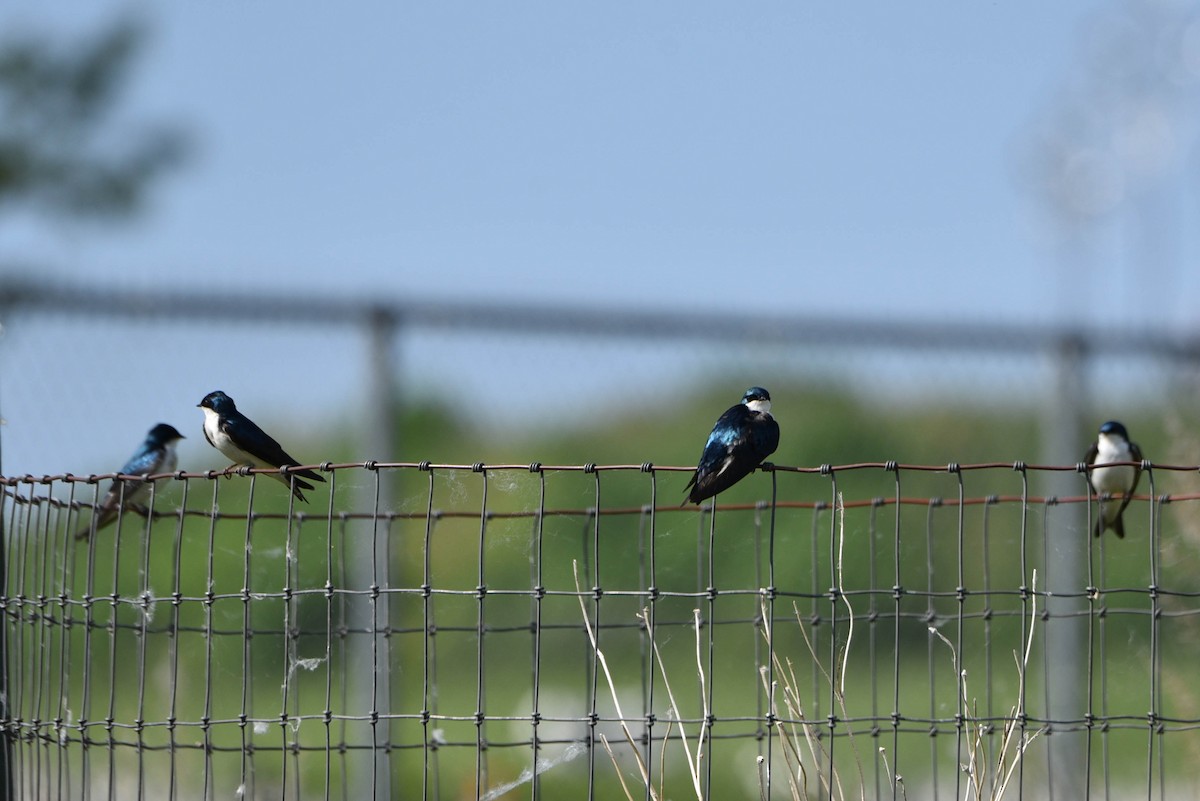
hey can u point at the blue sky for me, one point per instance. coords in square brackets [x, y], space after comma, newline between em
[800, 158]
[857, 157]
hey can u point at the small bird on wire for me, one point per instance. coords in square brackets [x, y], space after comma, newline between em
[236, 436]
[1113, 485]
[155, 455]
[743, 436]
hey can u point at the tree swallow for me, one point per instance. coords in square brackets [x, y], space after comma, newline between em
[743, 436]
[236, 436]
[155, 455]
[1117, 482]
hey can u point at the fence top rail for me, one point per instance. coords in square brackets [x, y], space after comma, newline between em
[25, 292]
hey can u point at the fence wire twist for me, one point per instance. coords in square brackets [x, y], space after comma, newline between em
[856, 626]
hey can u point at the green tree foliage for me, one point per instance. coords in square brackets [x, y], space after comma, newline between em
[56, 105]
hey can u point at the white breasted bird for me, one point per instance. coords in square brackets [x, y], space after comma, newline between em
[1113, 483]
[743, 436]
[155, 455]
[235, 435]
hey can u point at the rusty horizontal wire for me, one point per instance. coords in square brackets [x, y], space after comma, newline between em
[621, 511]
[618, 511]
[538, 467]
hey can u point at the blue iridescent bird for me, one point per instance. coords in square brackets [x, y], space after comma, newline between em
[155, 455]
[236, 436]
[743, 436]
[1113, 484]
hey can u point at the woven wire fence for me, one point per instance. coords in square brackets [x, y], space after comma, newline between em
[505, 631]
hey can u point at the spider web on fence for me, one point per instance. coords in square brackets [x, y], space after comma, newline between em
[878, 626]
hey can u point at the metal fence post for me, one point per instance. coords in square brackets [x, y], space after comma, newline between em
[6, 736]
[379, 436]
[1066, 554]
[368, 564]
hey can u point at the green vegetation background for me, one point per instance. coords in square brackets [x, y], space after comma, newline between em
[188, 660]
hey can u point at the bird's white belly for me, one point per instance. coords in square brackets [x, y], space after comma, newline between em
[224, 444]
[170, 460]
[1116, 479]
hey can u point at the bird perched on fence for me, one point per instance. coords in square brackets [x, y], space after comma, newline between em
[1116, 482]
[743, 436]
[236, 436]
[156, 454]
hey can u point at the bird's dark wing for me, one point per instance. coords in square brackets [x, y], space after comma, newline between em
[738, 444]
[143, 462]
[1136, 453]
[258, 443]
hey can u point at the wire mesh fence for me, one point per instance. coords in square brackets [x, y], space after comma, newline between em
[568, 631]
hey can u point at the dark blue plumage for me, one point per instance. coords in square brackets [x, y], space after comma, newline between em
[236, 436]
[155, 455]
[742, 438]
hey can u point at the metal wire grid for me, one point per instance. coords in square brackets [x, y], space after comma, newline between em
[219, 643]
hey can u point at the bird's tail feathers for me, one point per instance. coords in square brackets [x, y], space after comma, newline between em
[105, 515]
[1117, 524]
[311, 475]
[301, 483]
[296, 484]
[686, 491]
